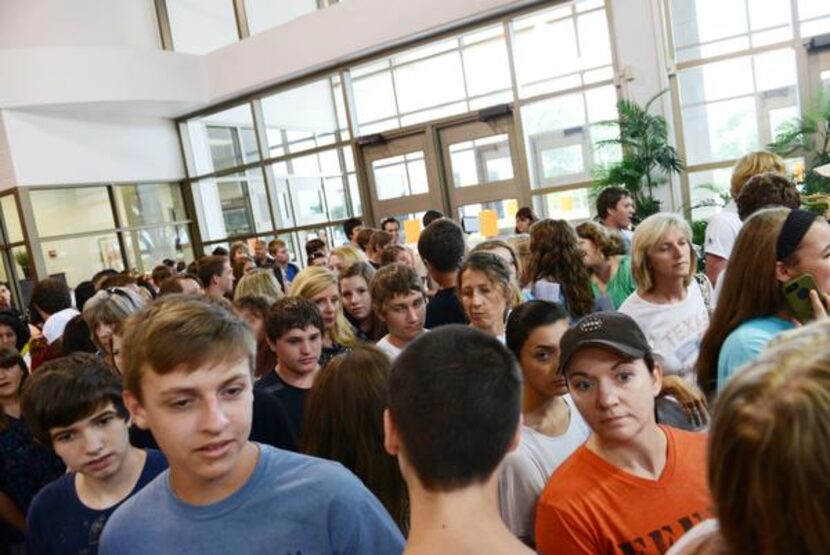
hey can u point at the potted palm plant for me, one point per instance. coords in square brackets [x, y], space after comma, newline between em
[648, 160]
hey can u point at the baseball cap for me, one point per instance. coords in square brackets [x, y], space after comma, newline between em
[614, 331]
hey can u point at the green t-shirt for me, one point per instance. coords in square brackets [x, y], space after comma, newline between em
[621, 284]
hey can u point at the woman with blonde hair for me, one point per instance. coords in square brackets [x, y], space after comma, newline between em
[260, 282]
[486, 292]
[319, 285]
[556, 270]
[343, 257]
[769, 453]
[604, 254]
[723, 227]
[105, 311]
[344, 423]
[669, 304]
[774, 246]
[357, 300]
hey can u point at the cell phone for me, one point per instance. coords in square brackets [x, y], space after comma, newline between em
[797, 294]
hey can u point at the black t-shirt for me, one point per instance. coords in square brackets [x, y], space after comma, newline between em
[445, 308]
[270, 424]
[292, 398]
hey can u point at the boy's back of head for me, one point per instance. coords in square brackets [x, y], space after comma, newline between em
[442, 245]
[51, 295]
[454, 399]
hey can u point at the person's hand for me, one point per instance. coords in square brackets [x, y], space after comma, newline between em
[820, 302]
[690, 398]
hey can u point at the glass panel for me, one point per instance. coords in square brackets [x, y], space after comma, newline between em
[64, 211]
[709, 191]
[431, 81]
[300, 118]
[581, 43]
[400, 176]
[80, 258]
[809, 9]
[203, 26]
[8, 204]
[562, 135]
[149, 203]
[564, 205]
[312, 186]
[704, 28]
[815, 27]
[22, 265]
[146, 248]
[267, 14]
[232, 205]
[481, 161]
[732, 107]
[223, 140]
[506, 216]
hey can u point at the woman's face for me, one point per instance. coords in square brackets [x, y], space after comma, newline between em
[671, 256]
[484, 302]
[117, 359]
[813, 255]
[335, 264]
[590, 253]
[8, 337]
[328, 303]
[405, 257]
[522, 225]
[539, 359]
[357, 300]
[103, 332]
[5, 297]
[10, 379]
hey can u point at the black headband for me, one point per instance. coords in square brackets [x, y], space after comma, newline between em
[792, 232]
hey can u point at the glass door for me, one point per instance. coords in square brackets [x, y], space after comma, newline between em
[482, 170]
[402, 176]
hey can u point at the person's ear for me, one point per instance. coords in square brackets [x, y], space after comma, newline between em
[656, 379]
[271, 344]
[390, 434]
[137, 413]
[783, 273]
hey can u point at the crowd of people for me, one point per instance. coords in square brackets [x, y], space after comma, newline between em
[570, 389]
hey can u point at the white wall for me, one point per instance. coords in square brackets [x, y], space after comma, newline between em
[56, 148]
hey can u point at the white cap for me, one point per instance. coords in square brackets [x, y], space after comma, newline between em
[823, 171]
[54, 325]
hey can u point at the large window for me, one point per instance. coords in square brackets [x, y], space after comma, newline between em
[448, 77]
[82, 230]
[737, 82]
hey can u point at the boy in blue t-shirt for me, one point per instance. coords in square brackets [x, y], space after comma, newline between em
[188, 377]
[74, 405]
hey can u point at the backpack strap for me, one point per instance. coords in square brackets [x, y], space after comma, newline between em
[705, 290]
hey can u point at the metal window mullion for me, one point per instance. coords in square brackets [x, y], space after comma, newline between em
[163, 19]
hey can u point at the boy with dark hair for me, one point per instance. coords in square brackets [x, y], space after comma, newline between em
[634, 486]
[188, 377]
[393, 227]
[294, 331]
[74, 405]
[282, 260]
[615, 208]
[216, 275]
[431, 216]
[441, 246]
[400, 302]
[452, 416]
[351, 228]
[53, 301]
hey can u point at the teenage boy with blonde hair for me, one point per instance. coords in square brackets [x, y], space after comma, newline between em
[400, 302]
[188, 377]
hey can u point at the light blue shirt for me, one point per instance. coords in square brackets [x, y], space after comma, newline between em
[746, 342]
[290, 504]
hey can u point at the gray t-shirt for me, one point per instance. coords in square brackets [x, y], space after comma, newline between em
[290, 504]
